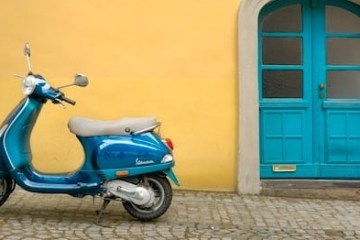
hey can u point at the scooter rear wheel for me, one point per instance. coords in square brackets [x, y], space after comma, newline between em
[163, 197]
[6, 187]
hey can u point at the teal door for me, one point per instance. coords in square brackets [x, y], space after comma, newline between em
[309, 89]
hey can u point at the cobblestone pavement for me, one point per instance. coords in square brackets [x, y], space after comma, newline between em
[193, 215]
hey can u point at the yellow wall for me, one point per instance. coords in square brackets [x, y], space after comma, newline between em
[172, 59]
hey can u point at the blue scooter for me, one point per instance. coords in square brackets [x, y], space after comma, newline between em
[125, 160]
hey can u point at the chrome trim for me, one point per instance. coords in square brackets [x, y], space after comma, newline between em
[3, 129]
[147, 129]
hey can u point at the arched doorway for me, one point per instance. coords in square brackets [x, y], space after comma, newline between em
[311, 135]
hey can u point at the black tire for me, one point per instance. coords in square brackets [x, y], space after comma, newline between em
[6, 187]
[163, 195]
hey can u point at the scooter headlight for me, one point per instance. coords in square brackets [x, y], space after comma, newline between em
[29, 84]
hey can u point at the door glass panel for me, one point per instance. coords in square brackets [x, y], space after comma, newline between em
[341, 20]
[282, 84]
[281, 50]
[343, 84]
[275, 21]
[343, 51]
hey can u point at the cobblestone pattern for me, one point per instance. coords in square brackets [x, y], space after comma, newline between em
[193, 215]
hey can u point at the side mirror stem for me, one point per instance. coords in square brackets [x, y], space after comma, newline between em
[69, 85]
[27, 55]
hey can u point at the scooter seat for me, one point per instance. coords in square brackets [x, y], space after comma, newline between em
[85, 127]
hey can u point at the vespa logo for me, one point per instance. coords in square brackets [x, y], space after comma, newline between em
[143, 162]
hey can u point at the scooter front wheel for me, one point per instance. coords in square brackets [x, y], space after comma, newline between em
[6, 187]
[163, 197]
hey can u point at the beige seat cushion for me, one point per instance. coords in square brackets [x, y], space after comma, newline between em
[88, 127]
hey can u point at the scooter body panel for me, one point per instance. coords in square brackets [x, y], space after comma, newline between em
[16, 156]
[15, 138]
[125, 155]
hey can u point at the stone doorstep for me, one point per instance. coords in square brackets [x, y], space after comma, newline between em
[322, 189]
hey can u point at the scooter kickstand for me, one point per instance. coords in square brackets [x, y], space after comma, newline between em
[101, 211]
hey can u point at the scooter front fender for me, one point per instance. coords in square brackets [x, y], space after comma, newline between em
[3, 170]
[3, 173]
[171, 175]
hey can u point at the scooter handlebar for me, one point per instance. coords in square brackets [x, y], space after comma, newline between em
[67, 100]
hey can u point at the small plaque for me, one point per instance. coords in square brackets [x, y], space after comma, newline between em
[284, 168]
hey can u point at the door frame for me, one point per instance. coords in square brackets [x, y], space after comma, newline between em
[248, 180]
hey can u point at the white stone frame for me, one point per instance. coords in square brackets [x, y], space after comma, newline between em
[248, 150]
[248, 135]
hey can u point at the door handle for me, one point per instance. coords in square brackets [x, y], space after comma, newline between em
[322, 86]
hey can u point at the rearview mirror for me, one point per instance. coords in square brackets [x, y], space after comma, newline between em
[81, 80]
[27, 51]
